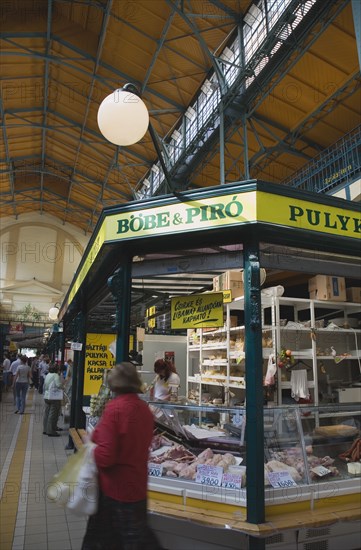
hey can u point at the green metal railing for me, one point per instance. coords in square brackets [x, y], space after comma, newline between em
[340, 163]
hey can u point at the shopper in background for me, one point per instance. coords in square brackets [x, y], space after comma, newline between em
[21, 383]
[166, 378]
[53, 381]
[122, 438]
[6, 372]
[13, 368]
[68, 378]
[43, 371]
[35, 372]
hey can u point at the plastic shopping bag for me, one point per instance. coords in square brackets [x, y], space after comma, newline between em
[62, 485]
[84, 499]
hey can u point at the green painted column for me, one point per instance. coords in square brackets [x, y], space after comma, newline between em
[120, 287]
[74, 377]
[79, 357]
[254, 387]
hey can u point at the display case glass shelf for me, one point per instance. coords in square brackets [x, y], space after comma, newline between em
[199, 447]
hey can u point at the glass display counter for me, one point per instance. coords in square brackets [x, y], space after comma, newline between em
[310, 453]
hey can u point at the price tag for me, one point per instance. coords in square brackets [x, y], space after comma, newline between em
[155, 470]
[231, 481]
[281, 479]
[209, 475]
[76, 346]
[227, 296]
[320, 471]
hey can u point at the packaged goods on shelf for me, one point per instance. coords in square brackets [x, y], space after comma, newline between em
[234, 321]
[353, 294]
[325, 287]
[229, 280]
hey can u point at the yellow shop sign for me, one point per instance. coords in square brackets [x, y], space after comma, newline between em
[307, 215]
[210, 212]
[197, 311]
[98, 357]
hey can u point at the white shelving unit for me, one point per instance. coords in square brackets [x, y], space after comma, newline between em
[316, 344]
[215, 358]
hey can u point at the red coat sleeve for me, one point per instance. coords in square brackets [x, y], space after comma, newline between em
[106, 436]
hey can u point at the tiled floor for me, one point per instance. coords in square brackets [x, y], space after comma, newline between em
[28, 460]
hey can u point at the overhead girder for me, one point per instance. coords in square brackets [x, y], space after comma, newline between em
[167, 45]
[80, 211]
[319, 112]
[45, 93]
[226, 9]
[204, 146]
[356, 12]
[268, 125]
[208, 55]
[106, 15]
[113, 83]
[7, 156]
[109, 83]
[303, 37]
[189, 162]
[100, 195]
[57, 163]
[128, 151]
[160, 44]
[35, 170]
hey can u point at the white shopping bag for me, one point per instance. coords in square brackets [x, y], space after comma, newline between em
[84, 499]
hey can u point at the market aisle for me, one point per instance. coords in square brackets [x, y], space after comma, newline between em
[28, 460]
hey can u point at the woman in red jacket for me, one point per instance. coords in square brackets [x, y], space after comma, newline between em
[122, 438]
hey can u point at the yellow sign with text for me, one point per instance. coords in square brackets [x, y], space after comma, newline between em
[197, 311]
[224, 210]
[149, 313]
[92, 254]
[307, 215]
[227, 296]
[98, 357]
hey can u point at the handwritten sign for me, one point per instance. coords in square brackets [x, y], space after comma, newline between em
[227, 296]
[98, 357]
[231, 481]
[281, 479]
[209, 475]
[320, 470]
[155, 470]
[197, 310]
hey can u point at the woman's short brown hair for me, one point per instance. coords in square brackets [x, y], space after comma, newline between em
[123, 378]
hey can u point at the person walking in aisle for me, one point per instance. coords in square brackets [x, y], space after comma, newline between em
[35, 372]
[43, 371]
[68, 377]
[122, 437]
[21, 383]
[13, 368]
[53, 395]
[6, 371]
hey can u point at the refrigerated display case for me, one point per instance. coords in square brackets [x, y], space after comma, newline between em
[200, 451]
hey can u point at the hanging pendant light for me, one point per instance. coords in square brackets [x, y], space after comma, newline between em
[54, 312]
[123, 117]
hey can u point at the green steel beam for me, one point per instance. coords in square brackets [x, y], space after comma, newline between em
[105, 21]
[45, 94]
[7, 154]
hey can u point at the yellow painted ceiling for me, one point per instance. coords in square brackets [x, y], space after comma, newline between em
[60, 58]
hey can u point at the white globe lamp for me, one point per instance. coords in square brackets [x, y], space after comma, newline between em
[53, 313]
[123, 117]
